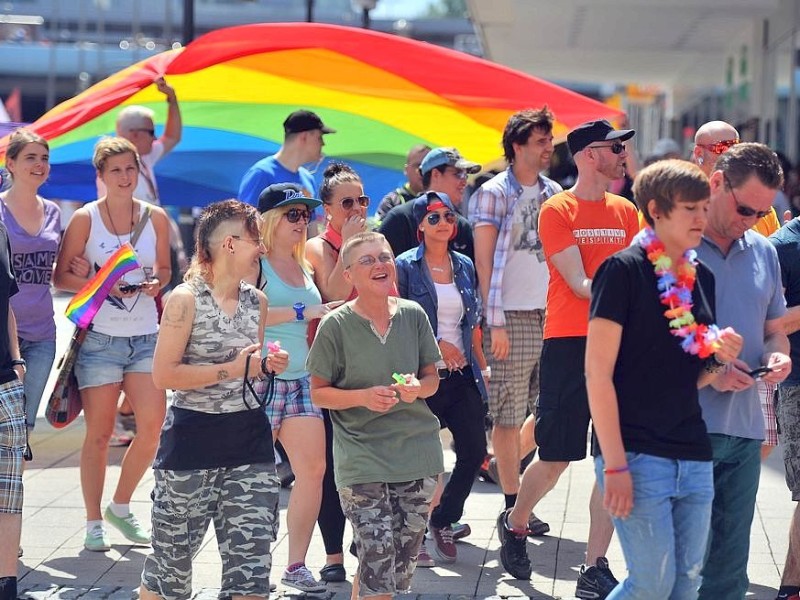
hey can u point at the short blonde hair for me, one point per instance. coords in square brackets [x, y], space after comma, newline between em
[112, 146]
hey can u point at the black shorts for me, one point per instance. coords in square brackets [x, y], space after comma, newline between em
[562, 411]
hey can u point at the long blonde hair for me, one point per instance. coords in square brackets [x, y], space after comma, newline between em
[269, 222]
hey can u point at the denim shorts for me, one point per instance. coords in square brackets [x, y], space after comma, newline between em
[40, 357]
[292, 399]
[104, 359]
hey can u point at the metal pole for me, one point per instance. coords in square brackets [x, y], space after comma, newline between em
[791, 116]
[365, 18]
[309, 11]
[188, 21]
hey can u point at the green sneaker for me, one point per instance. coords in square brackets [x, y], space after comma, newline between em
[97, 540]
[129, 527]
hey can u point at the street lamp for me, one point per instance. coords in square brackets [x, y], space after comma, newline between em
[366, 6]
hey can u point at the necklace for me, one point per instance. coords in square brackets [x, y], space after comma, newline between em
[114, 227]
[442, 269]
[675, 287]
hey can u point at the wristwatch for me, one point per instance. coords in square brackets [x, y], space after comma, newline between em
[20, 362]
[299, 307]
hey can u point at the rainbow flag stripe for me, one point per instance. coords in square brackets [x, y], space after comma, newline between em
[85, 304]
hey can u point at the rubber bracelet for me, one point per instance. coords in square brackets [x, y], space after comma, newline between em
[624, 469]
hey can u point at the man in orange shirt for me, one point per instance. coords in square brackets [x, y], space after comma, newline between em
[579, 229]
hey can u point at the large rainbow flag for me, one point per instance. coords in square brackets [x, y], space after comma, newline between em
[85, 304]
[382, 93]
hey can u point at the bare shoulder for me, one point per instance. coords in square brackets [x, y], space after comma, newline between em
[179, 309]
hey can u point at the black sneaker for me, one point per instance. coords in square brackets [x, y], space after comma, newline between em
[597, 582]
[513, 549]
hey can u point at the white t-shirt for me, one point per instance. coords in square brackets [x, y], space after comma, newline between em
[525, 276]
[449, 312]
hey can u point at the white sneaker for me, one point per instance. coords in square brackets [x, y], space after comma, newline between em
[302, 579]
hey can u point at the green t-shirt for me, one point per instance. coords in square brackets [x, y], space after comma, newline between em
[369, 447]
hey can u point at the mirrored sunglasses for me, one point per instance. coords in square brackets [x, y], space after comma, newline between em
[719, 147]
[435, 217]
[348, 203]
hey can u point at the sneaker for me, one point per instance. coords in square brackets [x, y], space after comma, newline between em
[513, 549]
[444, 546]
[129, 527]
[302, 579]
[597, 582]
[127, 422]
[460, 531]
[120, 438]
[537, 527]
[424, 559]
[488, 470]
[97, 540]
[20, 552]
[787, 595]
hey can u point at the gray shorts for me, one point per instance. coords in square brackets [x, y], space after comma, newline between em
[242, 502]
[388, 522]
[787, 411]
[514, 385]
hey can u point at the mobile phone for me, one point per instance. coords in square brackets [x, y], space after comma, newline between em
[126, 288]
[759, 372]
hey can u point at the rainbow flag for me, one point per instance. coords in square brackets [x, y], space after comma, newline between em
[85, 304]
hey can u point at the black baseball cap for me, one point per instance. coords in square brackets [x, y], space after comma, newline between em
[281, 194]
[304, 120]
[595, 131]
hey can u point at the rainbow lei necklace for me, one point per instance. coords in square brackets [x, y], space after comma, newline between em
[675, 289]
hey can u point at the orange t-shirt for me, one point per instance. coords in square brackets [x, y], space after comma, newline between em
[599, 229]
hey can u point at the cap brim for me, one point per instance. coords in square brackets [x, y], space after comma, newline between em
[469, 166]
[309, 202]
[327, 130]
[620, 134]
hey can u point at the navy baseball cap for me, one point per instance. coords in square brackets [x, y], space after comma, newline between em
[304, 120]
[595, 131]
[281, 194]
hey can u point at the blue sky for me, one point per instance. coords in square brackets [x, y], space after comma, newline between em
[399, 9]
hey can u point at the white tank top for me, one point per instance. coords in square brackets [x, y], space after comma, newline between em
[132, 316]
[449, 312]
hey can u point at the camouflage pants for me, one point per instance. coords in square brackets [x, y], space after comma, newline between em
[787, 411]
[243, 503]
[388, 525]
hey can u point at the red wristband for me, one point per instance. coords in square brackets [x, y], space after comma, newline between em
[624, 469]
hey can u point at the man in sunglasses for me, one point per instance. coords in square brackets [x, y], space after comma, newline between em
[302, 144]
[444, 171]
[411, 188]
[513, 278]
[749, 298]
[710, 142]
[579, 229]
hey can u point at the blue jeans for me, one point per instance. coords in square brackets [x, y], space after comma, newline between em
[40, 357]
[737, 469]
[664, 537]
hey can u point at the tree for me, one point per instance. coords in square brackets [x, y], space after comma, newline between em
[447, 8]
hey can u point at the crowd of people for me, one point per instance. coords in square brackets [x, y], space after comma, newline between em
[660, 324]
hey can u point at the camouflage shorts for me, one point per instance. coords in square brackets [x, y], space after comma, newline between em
[388, 526]
[787, 410]
[242, 502]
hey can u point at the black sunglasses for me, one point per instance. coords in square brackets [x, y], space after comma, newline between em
[293, 215]
[435, 217]
[616, 147]
[742, 209]
[348, 203]
[152, 132]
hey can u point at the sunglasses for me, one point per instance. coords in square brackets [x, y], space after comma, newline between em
[348, 203]
[435, 217]
[719, 147]
[616, 147]
[294, 215]
[460, 174]
[742, 209]
[152, 132]
[368, 260]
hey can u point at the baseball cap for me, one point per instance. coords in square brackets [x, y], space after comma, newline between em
[281, 194]
[447, 156]
[428, 202]
[595, 131]
[304, 120]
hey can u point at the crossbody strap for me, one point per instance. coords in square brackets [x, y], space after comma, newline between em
[137, 231]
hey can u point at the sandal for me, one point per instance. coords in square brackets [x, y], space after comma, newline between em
[333, 573]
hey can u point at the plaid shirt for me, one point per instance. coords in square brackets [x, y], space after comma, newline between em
[494, 203]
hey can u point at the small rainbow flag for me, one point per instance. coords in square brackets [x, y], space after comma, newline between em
[85, 304]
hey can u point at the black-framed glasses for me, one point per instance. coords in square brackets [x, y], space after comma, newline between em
[348, 202]
[293, 215]
[261, 398]
[616, 147]
[368, 260]
[742, 209]
[434, 217]
[720, 147]
[152, 132]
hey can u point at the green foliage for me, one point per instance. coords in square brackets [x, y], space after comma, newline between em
[447, 8]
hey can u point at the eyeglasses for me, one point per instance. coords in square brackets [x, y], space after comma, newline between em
[742, 209]
[152, 132]
[458, 174]
[368, 260]
[719, 147]
[348, 203]
[293, 215]
[616, 147]
[435, 217]
[255, 241]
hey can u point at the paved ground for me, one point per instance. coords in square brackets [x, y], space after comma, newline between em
[55, 564]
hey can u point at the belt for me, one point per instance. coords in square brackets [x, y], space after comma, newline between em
[8, 377]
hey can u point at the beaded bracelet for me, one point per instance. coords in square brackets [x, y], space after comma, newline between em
[624, 469]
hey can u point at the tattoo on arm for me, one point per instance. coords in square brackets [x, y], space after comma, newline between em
[175, 314]
[222, 375]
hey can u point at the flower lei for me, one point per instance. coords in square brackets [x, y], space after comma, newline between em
[675, 290]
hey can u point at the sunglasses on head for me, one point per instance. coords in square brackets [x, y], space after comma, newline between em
[348, 203]
[293, 215]
[742, 209]
[616, 147]
[434, 217]
[719, 147]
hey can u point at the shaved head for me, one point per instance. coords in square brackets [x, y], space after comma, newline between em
[707, 135]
